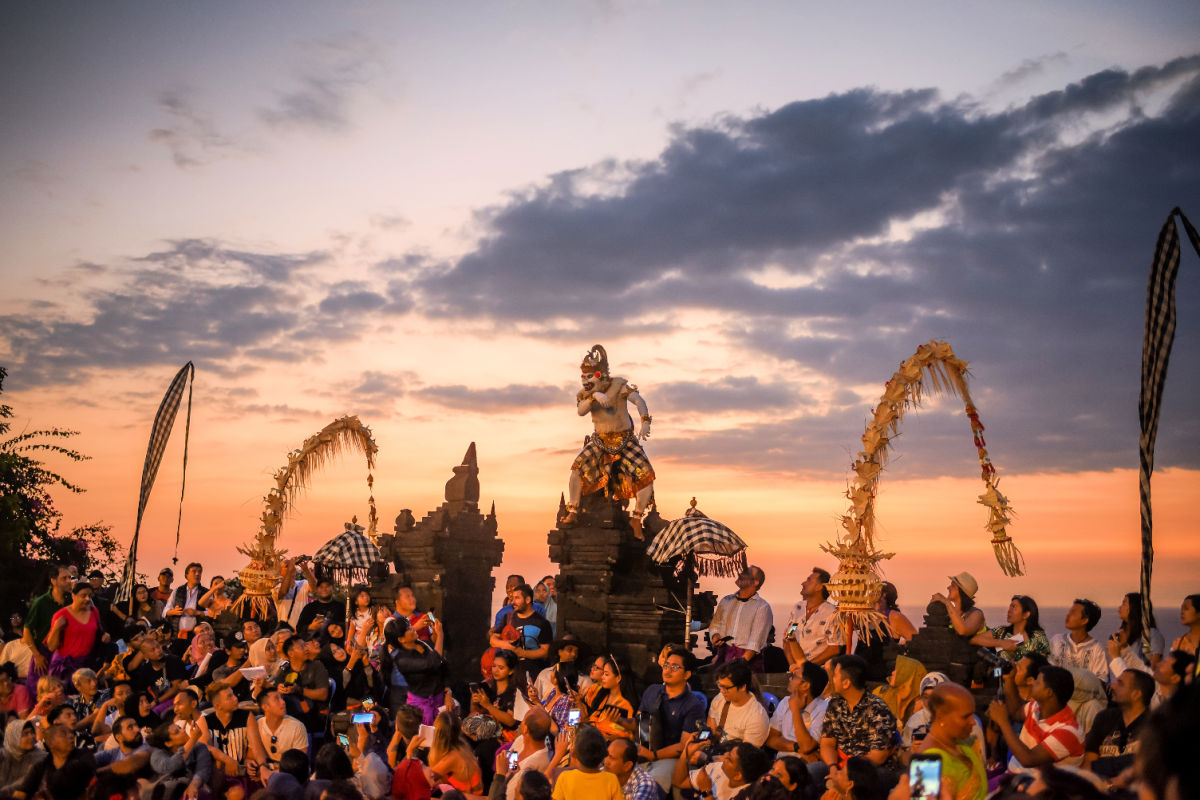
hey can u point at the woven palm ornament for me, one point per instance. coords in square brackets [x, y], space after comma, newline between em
[856, 586]
[261, 575]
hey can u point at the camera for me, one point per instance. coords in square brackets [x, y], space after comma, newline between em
[995, 660]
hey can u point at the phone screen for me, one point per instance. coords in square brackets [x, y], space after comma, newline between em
[361, 719]
[513, 758]
[573, 717]
[925, 777]
[343, 740]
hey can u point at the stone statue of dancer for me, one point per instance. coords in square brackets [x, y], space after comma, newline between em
[611, 459]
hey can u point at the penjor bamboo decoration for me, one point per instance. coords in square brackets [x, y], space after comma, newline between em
[856, 586]
[261, 575]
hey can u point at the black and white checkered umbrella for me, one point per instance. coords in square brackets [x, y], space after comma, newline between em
[717, 550]
[349, 555]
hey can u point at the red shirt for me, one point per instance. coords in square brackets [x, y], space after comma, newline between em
[79, 637]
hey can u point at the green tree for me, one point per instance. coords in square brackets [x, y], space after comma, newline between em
[31, 526]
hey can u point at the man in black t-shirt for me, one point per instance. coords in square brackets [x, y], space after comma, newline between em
[1111, 743]
[323, 606]
[304, 685]
[534, 633]
[160, 673]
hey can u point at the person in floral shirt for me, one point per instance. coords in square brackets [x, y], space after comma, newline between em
[1021, 636]
[857, 723]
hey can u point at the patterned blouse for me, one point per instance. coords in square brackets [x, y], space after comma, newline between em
[870, 725]
[1035, 642]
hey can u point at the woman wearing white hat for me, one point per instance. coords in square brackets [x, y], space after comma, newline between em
[959, 600]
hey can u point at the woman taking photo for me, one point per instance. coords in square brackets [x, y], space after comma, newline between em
[959, 600]
[73, 633]
[1021, 636]
[421, 667]
[451, 760]
[604, 704]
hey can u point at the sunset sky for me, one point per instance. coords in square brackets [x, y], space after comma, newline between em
[426, 213]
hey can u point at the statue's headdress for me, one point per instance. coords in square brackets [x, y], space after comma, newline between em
[596, 361]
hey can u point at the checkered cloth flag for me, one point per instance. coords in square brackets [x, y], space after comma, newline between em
[1156, 352]
[160, 433]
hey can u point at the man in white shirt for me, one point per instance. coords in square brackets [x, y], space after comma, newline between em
[291, 595]
[278, 731]
[736, 713]
[742, 621]
[742, 765]
[1076, 647]
[806, 685]
[530, 747]
[184, 608]
[812, 630]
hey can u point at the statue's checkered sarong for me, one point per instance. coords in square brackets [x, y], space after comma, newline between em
[622, 473]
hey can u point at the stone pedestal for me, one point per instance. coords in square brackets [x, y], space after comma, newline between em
[447, 558]
[610, 594]
[941, 649]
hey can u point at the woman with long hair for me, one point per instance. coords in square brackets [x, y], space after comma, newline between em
[604, 703]
[421, 667]
[144, 607]
[362, 616]
[1189, 615]
[74, 630]
[1021, 636]
[451, 759]
[959, 600]
[1129, 635]
[899, 629]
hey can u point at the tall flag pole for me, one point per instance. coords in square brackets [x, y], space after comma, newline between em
[160, 433]
[1156, 352]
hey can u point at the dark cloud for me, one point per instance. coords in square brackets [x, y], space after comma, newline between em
[191, 134]
[1031, 259]
[335, 70]
[502, 399]
[1031, 67]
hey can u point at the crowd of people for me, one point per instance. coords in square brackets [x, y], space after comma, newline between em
[170, 695]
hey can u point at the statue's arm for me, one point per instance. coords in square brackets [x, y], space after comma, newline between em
[644, 412]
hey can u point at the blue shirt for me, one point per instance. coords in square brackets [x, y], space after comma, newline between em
[679, 714]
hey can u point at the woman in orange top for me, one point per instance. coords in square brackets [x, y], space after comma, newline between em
[605, 705]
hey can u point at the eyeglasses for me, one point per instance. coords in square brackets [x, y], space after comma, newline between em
[672, 667]
[725, 687]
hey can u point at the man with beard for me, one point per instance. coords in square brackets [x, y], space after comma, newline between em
[321, 611]
[131, 753]
[534, 634]
[160, 674]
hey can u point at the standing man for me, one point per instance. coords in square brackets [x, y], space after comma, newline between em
[291, 595]
[321, 611]
[672, 708]
[406, 607]
[812, 631]
[533, 632]
[511, 583]
[184, 610]
[1076, 647]
[37, 623]
[162, 592]
[742, 621]
[857, 723]
[736, 713]
[304, 685]
[1049, 733]
[622, 761]
[546, 593]
[806, 704]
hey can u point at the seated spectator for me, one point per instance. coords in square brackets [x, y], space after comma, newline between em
[1170, 675]
[672, 708]
[330, 767]
[304, 684]
[16, 652]
[951, 737]
[1076, 647]
[279, 732]
[178, 759]
[742, 621]
[792, 774]
[857, 723]
[558, 700]
[567, 649]
[160, 674]
[1022, 635]
[584, 779]
[122, 665]
[131, 751]
[604, 704]
[1189, 615]
[186, 708]
[50, 695]
[228, 671]
[1049, 734]
[451, 759]
[289, 778]
[20, 755]
[735, 712]
[858, 780]
[530, 749]
[903, 687]
[899, 630]
[959, 601]
[805, 702]
[812, 632]
[198, 657]
[144, 607]
[1018, 684]
[1112, 742]
[231, 733]
[742, 765]
[1089, 698]
[113, 708]
[1129, 635]
[622, 761]
[88, 700]
[14, 697]
[371, 774]
[1166, 760]
[496, 711]
[533, 785]
[59, 744]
